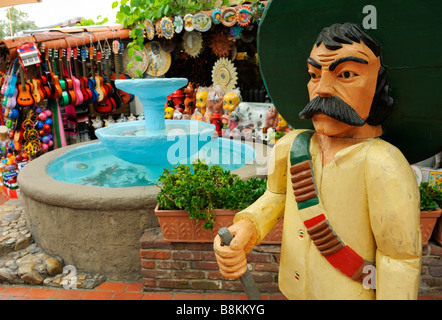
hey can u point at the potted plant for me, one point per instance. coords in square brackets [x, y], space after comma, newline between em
[196, 200]
[430, 210]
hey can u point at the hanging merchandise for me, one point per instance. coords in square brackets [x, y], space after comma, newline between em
[202, 22]
[192, 43]
[258, 10]
[236, 32]
[216, 16]
[150, 29]
[220, 43]
[158, 61]
[245, 15]
[137, 65]
[188, 22]
[167, 28]
[28, 54]
[178, 23]
[228, 17]
[224, 74]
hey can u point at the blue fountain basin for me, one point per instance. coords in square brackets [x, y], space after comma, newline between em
[130, 141]
[93, 165]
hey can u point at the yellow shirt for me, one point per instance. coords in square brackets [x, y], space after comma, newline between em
[371, 200]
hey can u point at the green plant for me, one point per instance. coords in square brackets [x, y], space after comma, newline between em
[431, 196]
[199, 189]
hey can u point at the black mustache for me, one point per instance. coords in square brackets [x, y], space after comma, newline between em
[333, 107]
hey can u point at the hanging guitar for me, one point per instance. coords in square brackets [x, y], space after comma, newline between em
[98, 80]
[24, 97]
[91, 80]
[115, 95]
[88, 95]
[105, 105]
[57, 91]
[76, 83]
[125, 97]
[65, 98]
[66, 76]
[45, 75]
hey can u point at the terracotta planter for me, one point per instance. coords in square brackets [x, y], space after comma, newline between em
[428, 220]
[176, 226]
[437, 234]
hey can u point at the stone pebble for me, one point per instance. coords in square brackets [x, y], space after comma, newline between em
[22, 261]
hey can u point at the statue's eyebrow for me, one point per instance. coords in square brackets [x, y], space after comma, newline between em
[314, 63]
[337, 62]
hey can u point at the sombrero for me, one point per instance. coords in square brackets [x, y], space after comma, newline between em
[410, 36]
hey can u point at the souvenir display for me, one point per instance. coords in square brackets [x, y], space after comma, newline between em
[136, 65]
[201, 99]
[188, 22]
[202, 22]
[150, 29]
[216, 16]
[220, 43]
[167, 28]
[178, 23]
[192, 43]
[158, 61]
[231, 100]
[245, 15]
[228, 17]
[224, 74]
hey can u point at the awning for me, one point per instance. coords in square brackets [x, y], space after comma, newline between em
[10, 3]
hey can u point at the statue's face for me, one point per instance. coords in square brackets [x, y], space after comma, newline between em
[349, 73]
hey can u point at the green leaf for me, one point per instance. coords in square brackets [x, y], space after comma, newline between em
[139, 73]
[138, 58]
[114, 4]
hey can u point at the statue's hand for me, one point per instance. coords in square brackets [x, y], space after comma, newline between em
[232, 259]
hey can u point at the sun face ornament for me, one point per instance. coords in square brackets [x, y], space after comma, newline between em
[224, 74]
[150, 29]
[192, 43]
[167, 28]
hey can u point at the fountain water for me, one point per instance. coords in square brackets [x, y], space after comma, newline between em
[152, 143]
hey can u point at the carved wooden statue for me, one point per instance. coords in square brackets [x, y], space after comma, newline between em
[349, 199]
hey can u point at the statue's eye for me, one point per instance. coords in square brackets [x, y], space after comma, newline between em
[347, 75]
[313, 76]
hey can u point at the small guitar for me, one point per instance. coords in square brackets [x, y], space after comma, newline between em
[76, 83]
[91, 81]
[66, 76]
[87, 93]
[115, 95]
[57, 90]
[97, 78]
[66, 97]
[24, 97]
[12, 100]
[125, 97]
[106, 105]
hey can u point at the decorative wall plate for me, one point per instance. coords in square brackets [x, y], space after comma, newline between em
[216, 16]
[137, 65]
[244, 16]
[192, 43]
[220, 44]
[228, 17]
[178, 23]
[167, 28]
[188, 22]
[168, 45]
[202, 22]
[224, 74]
[150, 29]
[158, 60]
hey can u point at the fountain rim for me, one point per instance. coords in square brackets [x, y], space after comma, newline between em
[35, 183]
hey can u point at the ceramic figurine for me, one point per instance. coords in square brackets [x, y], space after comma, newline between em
[201, 99]
[122, 118]
[225, 124]
[109, 121]
[214, 104]
[231, 101]
[349, 199]
[131, 118]
[216, 120]
[271, 121]
[189, 101]
[97, 122]
[168, 113]
[177, 115]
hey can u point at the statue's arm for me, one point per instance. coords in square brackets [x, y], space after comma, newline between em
[393, 199]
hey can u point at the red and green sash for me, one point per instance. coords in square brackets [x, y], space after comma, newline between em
[337, 253]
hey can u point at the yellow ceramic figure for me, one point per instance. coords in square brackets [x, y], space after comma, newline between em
[349, 200]
[201, 99]
[231, 101]
[168, 112]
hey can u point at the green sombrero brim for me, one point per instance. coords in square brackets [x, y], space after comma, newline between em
[410, 34]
